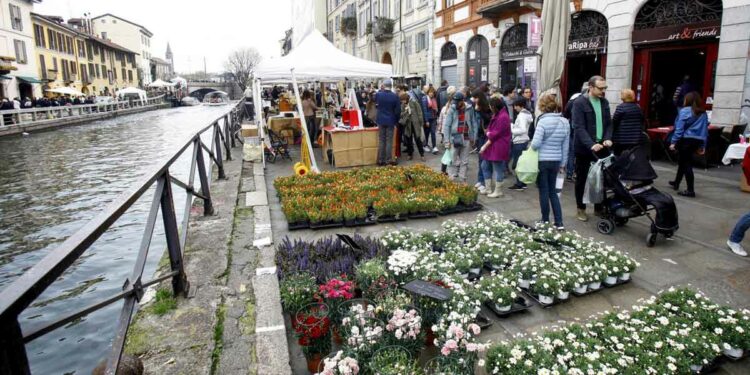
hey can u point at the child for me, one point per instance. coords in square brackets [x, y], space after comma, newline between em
[520, 133]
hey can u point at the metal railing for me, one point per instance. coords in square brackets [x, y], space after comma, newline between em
[23, 291]
[30, 116]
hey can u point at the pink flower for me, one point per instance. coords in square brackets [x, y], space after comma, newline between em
[445, 351]
[471, 347]
[451, 344]
[475, 328]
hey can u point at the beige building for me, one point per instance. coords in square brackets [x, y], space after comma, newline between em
[18, 66]
[129, 35]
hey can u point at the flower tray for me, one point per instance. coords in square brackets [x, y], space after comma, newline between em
[422, 215]
[298, 225]
[489, 267]
[476, 206]
[519, 305]
[327, 224]
[450, 211]
[618, 283]
[390, 219]
[745, 354]
[535, 298]
[523, 225]
[712, 366]
[482, 321]
[359, 222]
[588, 291]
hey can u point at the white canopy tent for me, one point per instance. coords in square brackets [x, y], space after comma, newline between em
[66, 91]
[159, 84]
[133, 91]
[314, 59]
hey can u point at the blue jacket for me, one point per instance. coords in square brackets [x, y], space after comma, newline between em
[426, 111]
[627, 123]
[688, 125]
[389, 108]
[552, 138]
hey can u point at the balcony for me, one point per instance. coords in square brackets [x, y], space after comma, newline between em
[51, 75]
[500, 9]
[71, 78]
[6, 64]
[383, 29]
[349, 26]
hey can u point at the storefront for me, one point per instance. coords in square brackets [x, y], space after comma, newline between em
[477, 60]
[676, 43]
[587, 51]
[515, 54]
[449, 64]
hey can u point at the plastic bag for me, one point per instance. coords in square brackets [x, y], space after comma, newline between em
[527, 168]
[559, 182]
[447, 157]
[594, 191]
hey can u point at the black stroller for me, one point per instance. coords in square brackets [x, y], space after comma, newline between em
[628, 193]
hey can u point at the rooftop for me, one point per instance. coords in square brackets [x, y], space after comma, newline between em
[150, 34]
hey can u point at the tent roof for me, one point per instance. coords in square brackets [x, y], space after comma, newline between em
[131, 90]
[160, 83]
[316, 59]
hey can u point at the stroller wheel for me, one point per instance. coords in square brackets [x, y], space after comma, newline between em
[621, 222]
[605, 226]
[651, 239]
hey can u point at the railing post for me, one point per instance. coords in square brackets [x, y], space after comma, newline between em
[217, 142]
[208, 207]
[226, 137]
[179, 281]
[234, 128]
[13, 358]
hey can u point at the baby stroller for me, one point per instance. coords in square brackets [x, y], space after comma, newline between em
[628, 193]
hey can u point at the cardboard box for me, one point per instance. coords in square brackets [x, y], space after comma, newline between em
[369, 156]
[369, 139]
[249, 131]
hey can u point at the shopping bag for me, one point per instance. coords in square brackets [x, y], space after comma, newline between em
[528, 166]
[447, 157]
[559, 183]
[594, 191]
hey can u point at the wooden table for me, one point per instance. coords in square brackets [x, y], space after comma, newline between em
[350, 148]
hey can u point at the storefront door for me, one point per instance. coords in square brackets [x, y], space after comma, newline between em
[477, 61]
[587, 46]
[513, 50]
[449, 64]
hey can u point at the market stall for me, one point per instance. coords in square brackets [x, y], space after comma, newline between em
[315, 59]
[350, 148]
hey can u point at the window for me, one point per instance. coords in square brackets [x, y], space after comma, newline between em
[114, 21]
[73, 68]
[449, 3]
[130, 75]
[104, 70]
[409, 5]
[69, 44]
[104, 21]
[98, 73]
[43, 66]
[421, 41]
[124, 74]
[54, 63]
[39, 36]
[104, 35]
[81, 48]
[84, 76]
[337, 25]
[15, 18]
[20, 47]
[51, 38]
[60, 42]
[92, 72]
[65, 70]
[408, 45]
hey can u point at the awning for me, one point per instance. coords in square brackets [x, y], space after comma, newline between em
[6, 77]
[29, 79]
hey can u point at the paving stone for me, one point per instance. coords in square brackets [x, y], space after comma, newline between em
[247, 185]
[267, 302]
[260, 183]
[256, 198]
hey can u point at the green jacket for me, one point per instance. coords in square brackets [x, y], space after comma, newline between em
[412, 119]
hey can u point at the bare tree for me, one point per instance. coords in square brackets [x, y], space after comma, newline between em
[241, 63]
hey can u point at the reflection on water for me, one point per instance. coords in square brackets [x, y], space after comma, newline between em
[51, 184]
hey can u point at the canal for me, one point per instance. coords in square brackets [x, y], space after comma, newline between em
[51, 184]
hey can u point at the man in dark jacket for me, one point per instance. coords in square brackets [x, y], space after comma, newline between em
[442, 95]
[592, 125]
[389, 112]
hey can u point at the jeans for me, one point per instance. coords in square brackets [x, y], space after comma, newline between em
[547, 195]
[571, 167]
[481, 140]
[516, 149]
[460, 163]
[385, 143]
[429, 133]
[738, 234]
[414, 138]
[312, 129]
[498, 167]
[686, 148]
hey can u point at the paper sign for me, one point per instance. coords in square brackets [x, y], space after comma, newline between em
[484, 73]
[529, 64]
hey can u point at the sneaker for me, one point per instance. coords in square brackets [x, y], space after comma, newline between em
[674, 185]
[478, 184]
[426, 149]
[559, 227]
[737, 248]
[482, 190]
[686, 193]
[435, 150]
[517, 187]
[581, 215]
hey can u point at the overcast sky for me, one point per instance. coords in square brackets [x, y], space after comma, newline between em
[194, 29]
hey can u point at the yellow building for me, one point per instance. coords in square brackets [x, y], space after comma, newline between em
[68, 56]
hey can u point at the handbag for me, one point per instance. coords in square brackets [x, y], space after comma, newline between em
[457, 140]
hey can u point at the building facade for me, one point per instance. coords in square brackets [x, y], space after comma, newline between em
[18, 67]
[129, 35]
[163, 69]
[67, 56]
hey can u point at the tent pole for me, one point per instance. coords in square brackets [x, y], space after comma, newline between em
[258, 103]
[314, 165]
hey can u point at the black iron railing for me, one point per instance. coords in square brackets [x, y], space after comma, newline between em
[24, 290]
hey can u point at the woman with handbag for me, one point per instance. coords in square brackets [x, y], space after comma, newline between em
[551, 140]
[412, 121]
[454, 127]
[690, 135]
[496, 150]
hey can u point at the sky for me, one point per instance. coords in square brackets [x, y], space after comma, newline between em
[194, 29]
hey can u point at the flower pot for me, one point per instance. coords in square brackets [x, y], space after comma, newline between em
[696, 369]
[465, 275]
[336, 336]
[429, 338]
[522, 283]
[581, 289]
[313, 362]
[503, 308]
[625, 276]
[563, 295]
[610, 280]
[546, 299]
[595, 285]
[734, 353]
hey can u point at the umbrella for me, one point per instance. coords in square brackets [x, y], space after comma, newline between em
[555, 28]
[66, 91]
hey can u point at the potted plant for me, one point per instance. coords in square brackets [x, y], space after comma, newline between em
[546, 286]
[499, 290]
[297, 291]
[368, 272]
[339, 364]
[334, 292]
[391, 360]
[405, 329]
[313, 333]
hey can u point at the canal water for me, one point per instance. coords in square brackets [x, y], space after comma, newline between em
[53, 183]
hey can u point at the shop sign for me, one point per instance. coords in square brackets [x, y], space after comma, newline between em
[587, 44]
[679, 33]
[471, 72]
[529, 64]
[515, 53]
[535, 32]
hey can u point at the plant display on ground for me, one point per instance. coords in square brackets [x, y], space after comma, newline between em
[336, 196]
[297, 291]
[678, 332]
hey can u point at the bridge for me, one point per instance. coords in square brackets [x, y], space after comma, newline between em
[198, 89]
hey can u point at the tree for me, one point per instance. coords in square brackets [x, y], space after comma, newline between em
[241, 63]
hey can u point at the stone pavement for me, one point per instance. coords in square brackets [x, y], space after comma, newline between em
[697, 256]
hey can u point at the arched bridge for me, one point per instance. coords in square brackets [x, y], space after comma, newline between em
[198, 89]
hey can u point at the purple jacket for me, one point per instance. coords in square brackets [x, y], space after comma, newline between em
[499, 134]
